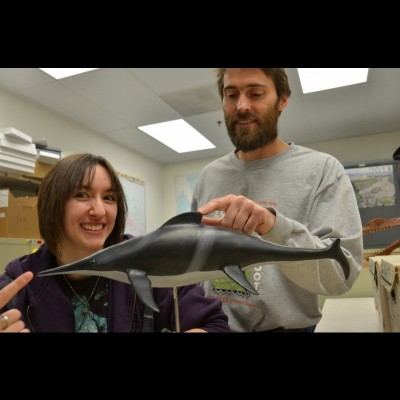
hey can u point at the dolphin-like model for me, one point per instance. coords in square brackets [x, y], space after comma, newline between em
[184, 251]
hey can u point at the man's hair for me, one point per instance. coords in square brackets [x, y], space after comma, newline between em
[60, 184]
[278, 76]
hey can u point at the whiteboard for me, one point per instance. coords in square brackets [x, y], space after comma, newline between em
[135, 199]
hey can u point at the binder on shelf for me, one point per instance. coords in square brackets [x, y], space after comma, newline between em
[28, 148]
[40, 141]
[15, 169]
[45, 154]
[47, 157]
[17, 161]
[15, 135]
[18, 154]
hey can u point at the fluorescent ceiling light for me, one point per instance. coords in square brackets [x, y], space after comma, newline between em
[178, 135]
[316, 79]
[60, 73]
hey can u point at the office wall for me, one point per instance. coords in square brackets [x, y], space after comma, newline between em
[170, 172]
[61, 132]
[363, 148]
[159, 179]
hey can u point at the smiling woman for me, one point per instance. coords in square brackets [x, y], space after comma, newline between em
[82, 210]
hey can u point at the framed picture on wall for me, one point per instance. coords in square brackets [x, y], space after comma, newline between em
[184, 186]
[377, 188]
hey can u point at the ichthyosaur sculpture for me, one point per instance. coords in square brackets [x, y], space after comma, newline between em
[184, 251]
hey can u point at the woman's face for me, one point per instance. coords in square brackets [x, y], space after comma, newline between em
[89, 217]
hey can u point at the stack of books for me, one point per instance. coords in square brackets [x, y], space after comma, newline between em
[17, 152]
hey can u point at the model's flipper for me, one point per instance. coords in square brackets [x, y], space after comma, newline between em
[142, 285]
[238, 276]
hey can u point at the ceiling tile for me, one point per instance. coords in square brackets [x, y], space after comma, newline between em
[115, 101]
[170, 80]
[18, 79]
[62, 100]
[194, 101]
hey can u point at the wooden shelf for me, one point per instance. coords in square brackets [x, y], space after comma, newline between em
[20, 185]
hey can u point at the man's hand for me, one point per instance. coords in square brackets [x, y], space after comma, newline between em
[240, 214]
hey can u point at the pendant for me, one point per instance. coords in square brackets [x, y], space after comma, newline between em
[85, 309]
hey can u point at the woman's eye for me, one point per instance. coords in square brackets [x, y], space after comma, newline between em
[81, 195]
[110, 198]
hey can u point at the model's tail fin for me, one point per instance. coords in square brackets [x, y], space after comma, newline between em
[336, 252]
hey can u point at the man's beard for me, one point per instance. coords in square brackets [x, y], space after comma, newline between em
[247, 140]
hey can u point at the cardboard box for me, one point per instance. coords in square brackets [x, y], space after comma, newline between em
[18, 216]
[390, 271]
[40, 170]
[380, 296]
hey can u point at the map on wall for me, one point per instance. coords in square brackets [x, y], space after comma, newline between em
[184, 186]
[135, 199]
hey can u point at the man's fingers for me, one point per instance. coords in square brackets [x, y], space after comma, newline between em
[9, 291]
[211, 221]
[219, 204]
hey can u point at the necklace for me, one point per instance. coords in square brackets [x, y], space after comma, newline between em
[86, 305]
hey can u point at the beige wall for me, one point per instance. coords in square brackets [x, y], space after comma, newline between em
[69, 137]
[363, 148]
[354, 149]
[159, 179]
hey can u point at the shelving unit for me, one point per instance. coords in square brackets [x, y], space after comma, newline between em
[11, 248]
[20, 185]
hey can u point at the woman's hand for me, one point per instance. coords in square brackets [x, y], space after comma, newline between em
[10, 320]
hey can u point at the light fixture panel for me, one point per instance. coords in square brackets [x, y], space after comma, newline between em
[60, 73]
[178, 135]
[317, 79]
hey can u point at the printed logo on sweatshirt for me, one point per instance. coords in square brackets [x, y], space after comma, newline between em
[226, 286]
[268, 203]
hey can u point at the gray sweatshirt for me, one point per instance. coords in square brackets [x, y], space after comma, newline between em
[314, 203]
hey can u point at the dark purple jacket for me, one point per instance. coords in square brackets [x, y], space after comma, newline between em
[45, 308]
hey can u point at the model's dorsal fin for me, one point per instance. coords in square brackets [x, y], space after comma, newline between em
[238, 276]
[142, 285]
[185, 218]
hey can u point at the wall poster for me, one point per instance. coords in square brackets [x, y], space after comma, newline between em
[184, 186]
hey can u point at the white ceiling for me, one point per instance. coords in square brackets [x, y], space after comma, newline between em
[114, 101]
